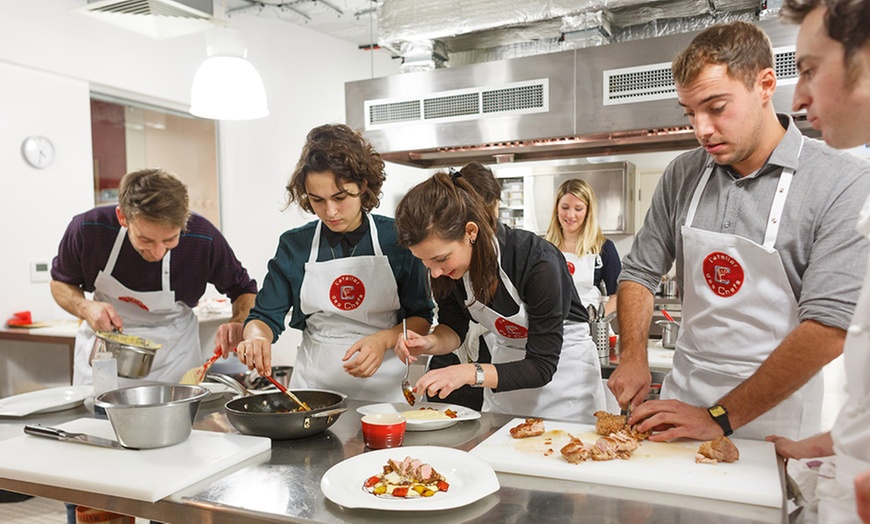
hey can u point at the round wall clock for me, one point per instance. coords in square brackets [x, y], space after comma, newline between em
[38, 151]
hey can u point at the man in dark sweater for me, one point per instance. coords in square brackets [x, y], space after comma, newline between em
[147, 262]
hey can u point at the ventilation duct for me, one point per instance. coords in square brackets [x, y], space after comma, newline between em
[154, 18]
[486, 30]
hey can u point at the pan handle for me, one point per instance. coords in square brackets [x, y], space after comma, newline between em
[328, 413]
[230, 382]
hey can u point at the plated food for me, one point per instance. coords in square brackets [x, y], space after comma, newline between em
[470, 479]
[409, 478]
[431, 416]
[429, 413]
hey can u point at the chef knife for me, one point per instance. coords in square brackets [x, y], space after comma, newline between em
[39, 430]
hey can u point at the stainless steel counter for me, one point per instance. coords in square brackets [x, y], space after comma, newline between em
[284, 485]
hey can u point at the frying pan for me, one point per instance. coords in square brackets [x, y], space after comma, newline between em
[274, 415]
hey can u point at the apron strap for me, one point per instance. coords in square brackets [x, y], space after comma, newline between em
[315, 244]
[776, 207]
[116, 248]
[376, 245]
[165, 270]
[509, 286]
[699, 190]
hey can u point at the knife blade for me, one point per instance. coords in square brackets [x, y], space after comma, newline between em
[38, 430]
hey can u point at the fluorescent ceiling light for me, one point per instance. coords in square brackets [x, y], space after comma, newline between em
[226, 86]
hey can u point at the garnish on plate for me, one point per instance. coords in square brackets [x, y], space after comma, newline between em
[409, 478]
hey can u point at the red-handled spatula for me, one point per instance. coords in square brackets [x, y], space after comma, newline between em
[282, 389]
[195, 375]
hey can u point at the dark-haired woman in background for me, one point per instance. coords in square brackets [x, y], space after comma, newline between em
[349, 284]
[516, 285]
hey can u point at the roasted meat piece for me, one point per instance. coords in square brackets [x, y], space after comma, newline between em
[720, 449]
[532, 427]
[638, 435]
[575, 451]
[412, 469]
[608, 423]
[616, 445]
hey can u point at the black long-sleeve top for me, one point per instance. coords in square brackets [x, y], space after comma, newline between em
[539, 273]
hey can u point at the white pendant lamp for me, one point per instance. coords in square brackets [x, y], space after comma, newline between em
[226, 86]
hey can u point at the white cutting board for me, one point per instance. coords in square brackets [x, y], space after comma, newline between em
[148, 474]
[656, 466]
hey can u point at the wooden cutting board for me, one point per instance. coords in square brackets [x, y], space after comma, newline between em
[148, 474]
[656, 466]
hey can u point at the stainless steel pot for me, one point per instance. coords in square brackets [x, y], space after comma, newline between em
[670, 332]
[134, 354]
[274, 415]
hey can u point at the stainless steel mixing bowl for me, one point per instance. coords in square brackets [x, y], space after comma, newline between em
[152, 416]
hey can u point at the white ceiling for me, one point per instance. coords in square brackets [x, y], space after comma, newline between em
[351, 20]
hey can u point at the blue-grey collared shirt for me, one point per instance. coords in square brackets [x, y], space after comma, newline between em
[823, 256]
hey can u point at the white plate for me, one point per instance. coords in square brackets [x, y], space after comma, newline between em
[462, 413]
[469, 477]
[44, 401]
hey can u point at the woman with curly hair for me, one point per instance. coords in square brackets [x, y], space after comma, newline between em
[349, 284]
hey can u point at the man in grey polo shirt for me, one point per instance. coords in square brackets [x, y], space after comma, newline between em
[760, 223]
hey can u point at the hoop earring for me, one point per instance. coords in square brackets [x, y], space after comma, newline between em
[473, 240]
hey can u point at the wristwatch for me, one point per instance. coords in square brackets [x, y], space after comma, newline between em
[720, 415]
[479, 376]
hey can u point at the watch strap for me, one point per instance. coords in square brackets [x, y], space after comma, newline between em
[720, 416]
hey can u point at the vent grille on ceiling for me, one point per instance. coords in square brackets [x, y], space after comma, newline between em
[655, 81]
[148, 7]
[155, 18]
[466, 104]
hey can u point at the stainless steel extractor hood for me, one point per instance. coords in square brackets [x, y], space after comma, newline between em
[611, 99]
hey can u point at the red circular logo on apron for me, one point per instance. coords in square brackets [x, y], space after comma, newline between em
[571, 268]
[347, 292]
[723, 274]
[134, 301]
[508, 329]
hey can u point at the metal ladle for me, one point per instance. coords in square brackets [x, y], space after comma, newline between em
[407, 390]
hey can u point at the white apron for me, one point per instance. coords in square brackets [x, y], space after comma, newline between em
[576, 390]
[738, 306]
[347, 299]
[851, 432]
[582, 270]
[154, 315]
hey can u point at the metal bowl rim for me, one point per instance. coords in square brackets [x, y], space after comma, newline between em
[104, 336]
[111, 405]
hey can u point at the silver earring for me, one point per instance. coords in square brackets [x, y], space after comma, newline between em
[473, 240]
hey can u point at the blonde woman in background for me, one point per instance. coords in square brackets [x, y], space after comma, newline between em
[592, 258]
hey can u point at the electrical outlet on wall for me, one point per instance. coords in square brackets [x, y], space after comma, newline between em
[39, 272]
